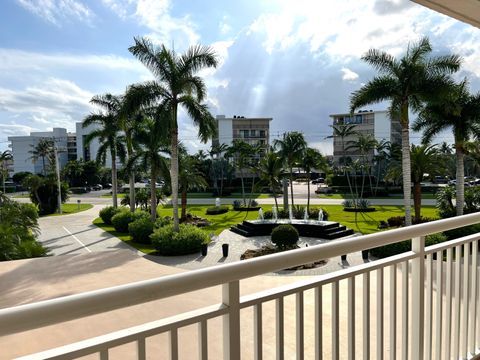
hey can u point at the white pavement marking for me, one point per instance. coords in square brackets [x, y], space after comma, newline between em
[64, 228]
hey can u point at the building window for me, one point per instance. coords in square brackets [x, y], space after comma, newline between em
[243, 134]
[253, 133]
[262, 133]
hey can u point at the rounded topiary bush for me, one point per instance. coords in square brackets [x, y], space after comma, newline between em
[188, 240]
[285, 236]
[216, 210]
[107, 213]
[140, 230]
[124, 217]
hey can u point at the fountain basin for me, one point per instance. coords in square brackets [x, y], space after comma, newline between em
[311, 228]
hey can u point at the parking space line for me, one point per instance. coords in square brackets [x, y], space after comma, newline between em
[86, 248]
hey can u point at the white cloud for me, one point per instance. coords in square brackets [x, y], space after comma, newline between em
[57, 11]
[349, 75]
[15, 129]
[224, 26]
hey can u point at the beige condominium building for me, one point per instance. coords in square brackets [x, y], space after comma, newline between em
[367, 122]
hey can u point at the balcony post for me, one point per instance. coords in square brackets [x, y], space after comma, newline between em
[231, 321]
[418, 298]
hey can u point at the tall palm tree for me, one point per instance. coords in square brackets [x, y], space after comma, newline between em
[108, 133]
[43, 150]
[241, 152]
[4, 157]
[424, 159]
[270, 170]
[189, 177]
[459, 111]
[364, 145]
[406, 83]
[291, 148]
[152, 154]
[177, 84]
[312, 159]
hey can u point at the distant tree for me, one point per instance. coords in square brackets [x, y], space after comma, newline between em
[4, 157]
[20, 176]
[189, 177]
[241, 152]
[43, 150]
[406, 83]
[312, 159]
[270, 169]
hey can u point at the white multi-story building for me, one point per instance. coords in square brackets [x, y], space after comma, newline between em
[374, 123]
[251, 130]
[22, 147]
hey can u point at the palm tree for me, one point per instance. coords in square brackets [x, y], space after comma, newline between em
[459, 111]
[241, 152]
[4, 157]
[312, 159]
[178, 85]
[189, 177]
[406, 83]
[424, 159]
[364, 145]
[291, 149]
[270, 170]
[108, 133]
[151, 154]
[43, 149]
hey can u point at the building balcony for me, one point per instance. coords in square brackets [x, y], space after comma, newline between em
[421, 304]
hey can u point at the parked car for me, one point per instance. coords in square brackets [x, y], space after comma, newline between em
[97, 187]
[318, 181]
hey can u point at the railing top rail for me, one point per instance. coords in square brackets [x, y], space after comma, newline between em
[25, 317]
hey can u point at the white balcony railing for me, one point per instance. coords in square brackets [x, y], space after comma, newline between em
[436, 317]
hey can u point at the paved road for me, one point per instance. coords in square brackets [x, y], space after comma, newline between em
[75, 234]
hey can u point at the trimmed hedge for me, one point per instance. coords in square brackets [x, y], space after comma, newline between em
[216, 210]
[107, 213]
[188, 240]
[140, 230]
[404, 246]
[285, 236]
[124, 217]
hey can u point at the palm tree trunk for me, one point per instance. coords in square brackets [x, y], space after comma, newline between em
[132, 191]
[243, 187]
[43, 165]
[291, 186]
[153, 193]
[184, 204]
[221, 180]
[308, 193]
[460, 198]
[274, 195]
[114, 178]
[417, 200]
[407, 177]
[174, 169]
[251, 191]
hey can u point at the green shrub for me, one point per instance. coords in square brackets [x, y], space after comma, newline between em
[30, 249]
[162, 221]
[216, 210]
[188, 240]
[140, 230]
[45, 195]
[404, 246]
[463, 231]
[124, 217]
[285, 236]
[107, 213]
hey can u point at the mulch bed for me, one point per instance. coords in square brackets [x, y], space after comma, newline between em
[267, 250]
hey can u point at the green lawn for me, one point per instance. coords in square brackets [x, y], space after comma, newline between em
[72, 209]
[21, 197]
[347, 196]
[147, 249]
[120, 196]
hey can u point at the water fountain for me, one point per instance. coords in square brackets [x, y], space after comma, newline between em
[320, 215]
[305, 214]
[290, 213]
[260, 214]
[274, 213]
[217, 202]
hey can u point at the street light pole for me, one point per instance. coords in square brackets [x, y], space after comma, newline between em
[57, 168]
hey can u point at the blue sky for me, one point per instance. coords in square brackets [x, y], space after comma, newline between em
[295, 61]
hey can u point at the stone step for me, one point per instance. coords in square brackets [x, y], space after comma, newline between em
[338, 234]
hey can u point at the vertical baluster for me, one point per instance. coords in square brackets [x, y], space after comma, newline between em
[418, 298]
[173, 344]
[380, 314]
[335, 321]
[473, 298]
[466, 292]
[405, 329]
[351, 318]
[280, 328]
[438, 305]
[366, 315]
[478, 310]
[258, 331]
[300, 325]
[428, 308]
[231, 321]
[141, 349]
[104, 354]
[393, 312]
[448, 306]
[318, 323]
[203, 340]
[456, 324]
